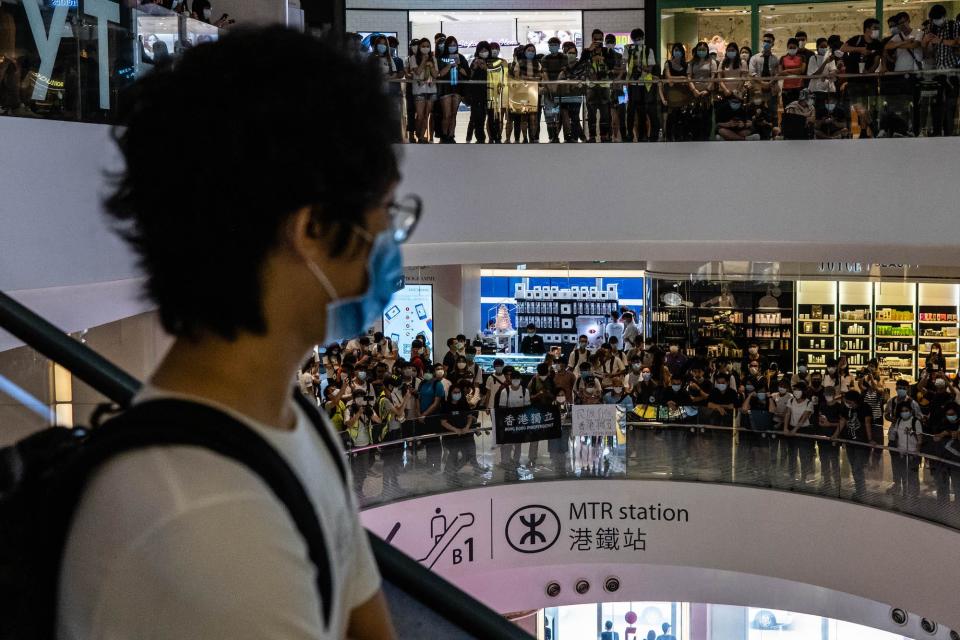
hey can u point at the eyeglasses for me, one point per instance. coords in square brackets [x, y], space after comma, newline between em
[404, 216]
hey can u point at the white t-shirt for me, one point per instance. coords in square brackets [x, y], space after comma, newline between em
[614, 329]
[908, 59]
[493, 384]
[514, 398]
[179, 542]
[797, 408]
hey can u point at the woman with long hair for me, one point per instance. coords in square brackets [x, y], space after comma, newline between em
[453, 70]
[422, 68]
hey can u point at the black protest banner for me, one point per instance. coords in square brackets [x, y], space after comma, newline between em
[526, 424]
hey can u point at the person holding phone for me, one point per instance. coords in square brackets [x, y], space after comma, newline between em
[422, 68]
[453, 71]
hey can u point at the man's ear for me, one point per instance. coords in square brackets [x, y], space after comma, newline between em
[301, 234]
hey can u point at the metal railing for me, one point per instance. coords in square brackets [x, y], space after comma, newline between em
[425, 587]
[915, 483]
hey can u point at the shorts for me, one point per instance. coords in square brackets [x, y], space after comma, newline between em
[425, 97]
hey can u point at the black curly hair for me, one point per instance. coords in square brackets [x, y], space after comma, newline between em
[221, 148]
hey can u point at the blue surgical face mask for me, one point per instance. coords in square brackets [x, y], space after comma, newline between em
[678, 54]
[734, 105]
[731, 55]
[721, 387]
[381, 49]
[767, 46]
[675, 387]
[952, 418]
[822, 51]
[530, 55]
[901, 393]
[455, 397]
[830, 106]
[452, 48]
[701, 53]
[761, 395]
[906, 414]
[350, 317]
[554, 48]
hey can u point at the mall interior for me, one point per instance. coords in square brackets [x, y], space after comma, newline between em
[679, 391]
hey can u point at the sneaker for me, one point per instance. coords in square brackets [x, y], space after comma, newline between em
[753, 136]
[718, 138]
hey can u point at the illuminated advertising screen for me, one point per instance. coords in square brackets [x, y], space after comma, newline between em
[409, 313]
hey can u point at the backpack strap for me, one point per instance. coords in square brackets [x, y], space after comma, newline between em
[170, 422]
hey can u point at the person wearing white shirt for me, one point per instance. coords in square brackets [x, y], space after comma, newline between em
[904, 438]
[580, 355]
[764, 65]
[614, 329]
[907, 45]
[797, 422]
[631, 332]
[823, 67]
[494, 383]
[512, 395]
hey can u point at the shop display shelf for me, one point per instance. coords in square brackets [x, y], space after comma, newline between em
[895, 337]
[817, 350]
[940, 337]
[953, 322]
[856, 335]
[816, 335]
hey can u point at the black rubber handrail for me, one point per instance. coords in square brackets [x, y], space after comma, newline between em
[430, 590]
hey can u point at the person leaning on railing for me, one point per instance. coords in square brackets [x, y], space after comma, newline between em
[422, 68]
[571, 94]
[453, 71]
[940, 40]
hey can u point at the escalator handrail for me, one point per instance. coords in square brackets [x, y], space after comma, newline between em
[429, 589]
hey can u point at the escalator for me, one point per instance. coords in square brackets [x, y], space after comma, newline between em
[422, 604]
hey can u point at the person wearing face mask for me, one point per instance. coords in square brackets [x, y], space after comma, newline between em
[475, 94]
[527, 72]
[422, 69]
[512, 395]
[391, 68]
[703, 72]
[675, 360]
[822, 66]
[202, 10]
[733, 123]
[799, 117]
[905, 438]
[831, 123]
[359, 384]
[543, 394]
[409, 386]
[563, 380]
[450, 357]
[676, 93]
[600, 64]
[494, 383]
[901, 394]
[580, 355]
[944, 442]
[935, 359]
[553, 64]
[863, 55]
[458, 421]
[723, 400]
[391, 407]
[572, 93]
[618, 109]
[359, 422]
[532, 343]
[733, 74]
[802, 49]
[648, 393]
[763, 68]
[460, 370]
[453, 70]
[827, 420]
[854, 426]
[642, 122]
[871, 395]
[419, 357]
[906, 47]
[496, 90]
[791, 67]
[587, 389]
[797, 421]
[934, 395]
[940, 41]
[430, 397]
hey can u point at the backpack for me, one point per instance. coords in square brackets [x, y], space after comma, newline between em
[42, 480]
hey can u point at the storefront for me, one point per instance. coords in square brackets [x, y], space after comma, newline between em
[796, 314]
[720, 22]
[495, 20]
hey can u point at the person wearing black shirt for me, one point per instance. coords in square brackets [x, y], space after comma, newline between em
[856, 421]
[866, 50]
[601, 63]
[532, 343]
[676, 399]
[944, 433]
[733, 123]
[722, 400]
[457, 421]
[829, 410]
[552, 63]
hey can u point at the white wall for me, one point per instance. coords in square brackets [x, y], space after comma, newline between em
[866, 200]
[612, 21]
[382, 20]
[805, 546]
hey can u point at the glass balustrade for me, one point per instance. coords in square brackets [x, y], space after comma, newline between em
[418, 461]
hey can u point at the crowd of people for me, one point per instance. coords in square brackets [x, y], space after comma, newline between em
[374, 397]
[620, 94]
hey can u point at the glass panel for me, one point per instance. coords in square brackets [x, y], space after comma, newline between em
[819, 20]
[717, 26]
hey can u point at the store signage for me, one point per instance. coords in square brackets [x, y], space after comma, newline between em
[859, 267]
[514, 525]
[48, 41]
[526, 424]
[594, 419]
[408, 314]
